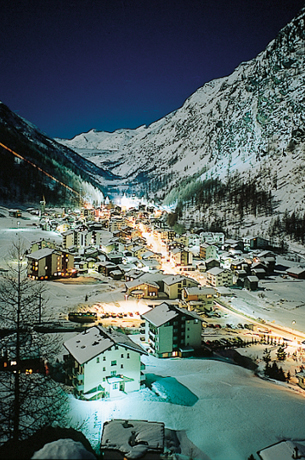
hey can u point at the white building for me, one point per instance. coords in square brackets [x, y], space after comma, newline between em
[104, 363]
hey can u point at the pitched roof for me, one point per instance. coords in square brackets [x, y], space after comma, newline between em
[139, 281]
[165, 312]
[40, 254]
[94, 341]
[215, 271]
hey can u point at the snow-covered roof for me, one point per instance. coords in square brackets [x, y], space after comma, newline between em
[133, 438]
[139, 281]
[174, 279]
[253, 279]
[94, 341]
[165, 312]
[283, 450]
[295, 270]
[40, 254]
[199, 290]
[215, 271]
[63, 448]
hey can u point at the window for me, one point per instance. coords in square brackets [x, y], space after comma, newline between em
[104, 358]
[97, 360]
[128, 356]
[116, 347]
[104, 368]
[113, 363]
[122, 366]
[113, 373]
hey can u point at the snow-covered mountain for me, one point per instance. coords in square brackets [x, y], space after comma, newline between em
[250, 122]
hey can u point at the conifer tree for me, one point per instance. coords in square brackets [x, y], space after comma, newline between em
[28, 399]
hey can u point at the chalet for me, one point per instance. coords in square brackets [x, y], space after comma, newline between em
[268, 259]
[149, 255]
[50, 263]
[103, 363]
[220, 277]
[41, 244]
[82, 266]
[258, 269]
[174, 284]
[116, 274]
[296, 272]
[233, 245]
[150, 264]
[199, 297]
[142, 288]
[133, 274]
[115, 257]
[212, 237]
[239, 277]
[255, 242]
[211, 263]
[14, 213]
[240, 264]
[138, 251]
[106, 267]
[251, 283]
[117, 436]
[172, 331]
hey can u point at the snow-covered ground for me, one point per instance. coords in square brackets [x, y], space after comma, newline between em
[236, 413]
[224, 410]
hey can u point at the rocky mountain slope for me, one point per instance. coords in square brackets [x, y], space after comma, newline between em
[26, 174]
[248, 126]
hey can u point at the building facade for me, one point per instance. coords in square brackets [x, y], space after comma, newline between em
[172, 331]
[103, 363]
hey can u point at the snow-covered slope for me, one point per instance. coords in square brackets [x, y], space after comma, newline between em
[251, 121]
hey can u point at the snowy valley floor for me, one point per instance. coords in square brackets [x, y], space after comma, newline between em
[225, 410]
[236, 413]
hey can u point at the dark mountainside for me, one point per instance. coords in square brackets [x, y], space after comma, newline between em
[23, 181]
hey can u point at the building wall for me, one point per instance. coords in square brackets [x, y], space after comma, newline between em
[165, 339]
[193, 333]
[98, 369]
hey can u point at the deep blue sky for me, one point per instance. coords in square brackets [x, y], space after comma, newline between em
[72, 65]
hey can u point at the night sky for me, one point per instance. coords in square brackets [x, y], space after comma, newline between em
[72, 65]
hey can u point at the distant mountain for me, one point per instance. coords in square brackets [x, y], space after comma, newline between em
[25, 175]
[239, 136]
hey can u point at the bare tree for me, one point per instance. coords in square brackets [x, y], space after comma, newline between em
[29, 398]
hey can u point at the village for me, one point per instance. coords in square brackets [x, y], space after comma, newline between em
[141, 289]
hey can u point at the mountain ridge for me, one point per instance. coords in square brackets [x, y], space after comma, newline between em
[248, 122]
